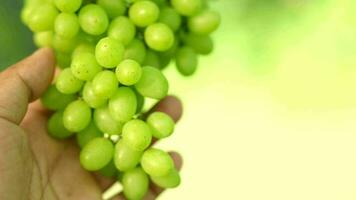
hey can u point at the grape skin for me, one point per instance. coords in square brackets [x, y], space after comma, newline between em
[144, 13]
[153, 83]
[135, 183]
[159, 37]
[122, 30]
[156, 162]
[109, 52]
[96, 154]
[56, 127]
[137, 135]
[186, 60]
[162, 124]
[93, 19]
[105, 122]
[66, 25]
[77, 116]
[126, 158]
[123, 104]
[67, 83]
[68, 6]
[88, 134]
[171, 180]
[128, 72]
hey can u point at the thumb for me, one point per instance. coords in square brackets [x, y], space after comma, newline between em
[25, 82]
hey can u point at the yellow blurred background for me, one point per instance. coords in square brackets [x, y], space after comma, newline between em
[271, 114]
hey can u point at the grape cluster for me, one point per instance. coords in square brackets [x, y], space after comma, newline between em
[111, 53]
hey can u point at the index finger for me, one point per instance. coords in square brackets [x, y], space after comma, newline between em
[170, 105]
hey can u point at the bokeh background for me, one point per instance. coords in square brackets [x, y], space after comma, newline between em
[271, 114]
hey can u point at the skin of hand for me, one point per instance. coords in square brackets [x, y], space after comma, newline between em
[32, 164]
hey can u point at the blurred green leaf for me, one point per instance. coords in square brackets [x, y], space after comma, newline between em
[15, 38]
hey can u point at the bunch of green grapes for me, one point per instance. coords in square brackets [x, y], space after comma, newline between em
[111, 53]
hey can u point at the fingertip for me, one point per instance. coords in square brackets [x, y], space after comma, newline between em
[47, 51]
[43, 57]
[172, 106]
[177, 159]
[37, 71]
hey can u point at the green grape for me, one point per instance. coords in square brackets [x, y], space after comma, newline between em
[164, 62]
[109, 170]
[187, 7]
[161, 124]
[171, 52]
[109, 52]
[113, 8]
[160, 3]
[84, 47]
[165, 57]
[26, 13]
[105, 122]
[66, 25]
[120, 175]
[126, 158]
[136, 50]
[171, 180]
[135, 183]
[156, 162]
[77, 116]
[202, 44]
[84, 66]
[153, 83]
[137, 135]
[66, 83]
[63, 59]
[152, 59]
[54, 100]
[88, 134]
[56, 128]
[68, 6]
[93, 19]
[91, 98]
[140, 100]
[86, 2]
[204, 23]
[186, 61]
[123, 104]
[43, 39]
[105, 84]
[144, 13]
[92, 39]
[122, 30]
[128, 72]
[65, 45]
[42, 18]
[171, 18]
[159, 37]
[96, 154]
[37, 2]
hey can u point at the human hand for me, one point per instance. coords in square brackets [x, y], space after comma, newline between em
[32, 164]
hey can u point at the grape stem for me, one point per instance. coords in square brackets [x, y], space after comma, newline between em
[114, 190]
